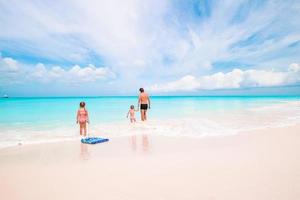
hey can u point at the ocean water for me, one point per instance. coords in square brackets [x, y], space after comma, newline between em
[35, 120]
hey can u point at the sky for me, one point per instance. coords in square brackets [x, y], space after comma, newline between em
[169, 47]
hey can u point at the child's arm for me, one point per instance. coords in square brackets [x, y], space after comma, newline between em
[77, 117]
[127, 114]
[87, 117]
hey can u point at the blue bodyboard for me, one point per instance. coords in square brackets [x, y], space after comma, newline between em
[93, 140]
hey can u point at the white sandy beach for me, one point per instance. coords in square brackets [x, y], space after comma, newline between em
[261, 164]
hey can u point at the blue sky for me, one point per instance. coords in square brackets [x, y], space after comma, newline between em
[77, 48]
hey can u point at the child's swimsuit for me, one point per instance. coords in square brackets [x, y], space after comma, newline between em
[132, 114]
[82, 116]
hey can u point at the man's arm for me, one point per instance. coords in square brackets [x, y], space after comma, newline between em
[148, 101]
[139, 103]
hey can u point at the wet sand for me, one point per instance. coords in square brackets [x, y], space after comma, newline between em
[262, 164]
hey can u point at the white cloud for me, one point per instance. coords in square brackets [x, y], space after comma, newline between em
[186, 83]
[90, 73]
[40, 71]
[11, 70]
[8, 65]
[295, 67]
[75, 74]
[237, 78]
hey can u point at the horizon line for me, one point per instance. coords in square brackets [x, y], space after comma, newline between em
[96, 96]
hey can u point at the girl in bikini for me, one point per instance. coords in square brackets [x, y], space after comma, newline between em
[82, 118]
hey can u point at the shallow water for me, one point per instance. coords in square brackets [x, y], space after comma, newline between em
[30, 120]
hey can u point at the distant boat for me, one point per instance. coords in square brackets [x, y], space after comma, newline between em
[5, 96]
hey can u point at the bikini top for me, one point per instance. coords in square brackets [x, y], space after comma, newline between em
[82, 113]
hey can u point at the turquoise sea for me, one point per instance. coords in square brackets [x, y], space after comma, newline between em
[28, 118]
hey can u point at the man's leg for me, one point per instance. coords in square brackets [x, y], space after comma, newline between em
[144, 115]
[142, 118]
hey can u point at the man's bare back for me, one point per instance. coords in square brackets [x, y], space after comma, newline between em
[144, 98]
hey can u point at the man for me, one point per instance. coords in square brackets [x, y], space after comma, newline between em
[143, 104]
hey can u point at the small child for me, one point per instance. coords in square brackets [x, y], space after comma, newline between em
[131, 112]
[82, 118]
